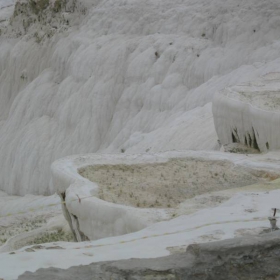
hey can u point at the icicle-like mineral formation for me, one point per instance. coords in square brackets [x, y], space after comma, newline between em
[250, 113]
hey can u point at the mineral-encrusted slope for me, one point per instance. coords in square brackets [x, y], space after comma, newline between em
[124, 76]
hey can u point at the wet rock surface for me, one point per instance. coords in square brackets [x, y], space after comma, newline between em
[239, 258]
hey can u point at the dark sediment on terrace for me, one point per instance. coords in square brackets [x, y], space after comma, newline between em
[164, 185]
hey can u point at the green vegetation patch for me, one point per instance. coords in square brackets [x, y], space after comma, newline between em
[53, 236]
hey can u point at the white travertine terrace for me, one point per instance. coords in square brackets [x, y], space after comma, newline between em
[122, 75]
[135, 77]
[250, 113]
[93, 218]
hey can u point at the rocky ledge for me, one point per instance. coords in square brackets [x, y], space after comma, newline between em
[247, 258]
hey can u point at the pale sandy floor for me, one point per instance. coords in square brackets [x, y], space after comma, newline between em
[167, 184]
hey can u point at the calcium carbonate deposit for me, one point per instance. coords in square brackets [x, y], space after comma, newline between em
[167, 184]
[249, 113]
[134, 127]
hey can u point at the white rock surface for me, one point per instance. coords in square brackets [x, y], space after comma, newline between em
[134, 77]
[23, 219]
[90, 216]
[250, 113]
[126, 75]
[244, 214]
[5, 3]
